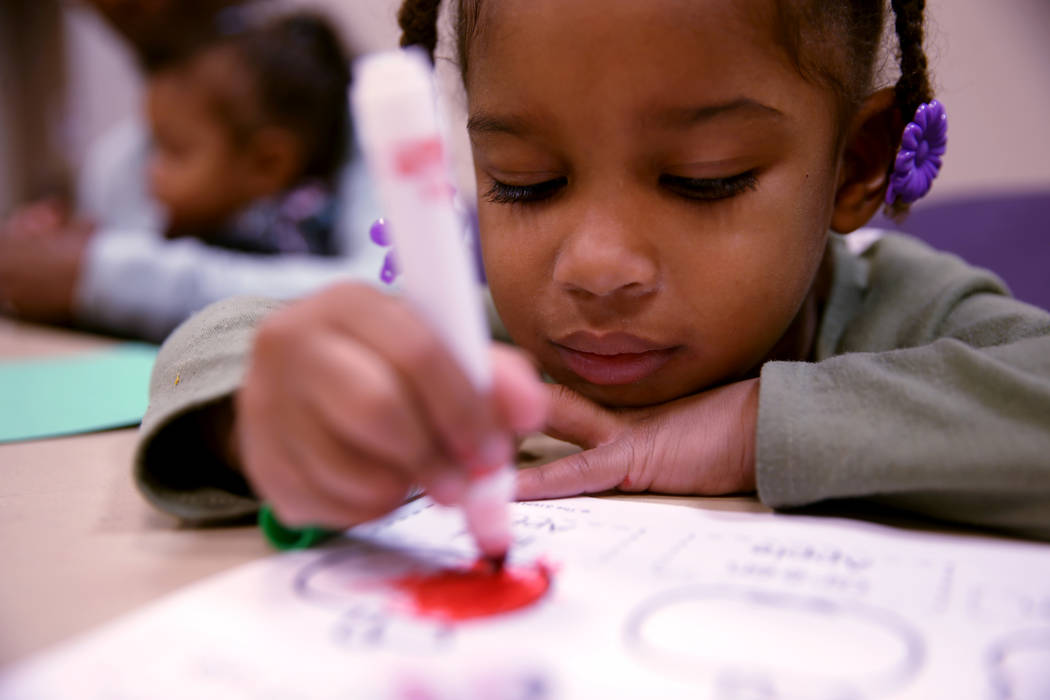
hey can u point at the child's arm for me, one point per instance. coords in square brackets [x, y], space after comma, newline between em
[136, 283]
[954, 430]
[938, 400]
[343, 402]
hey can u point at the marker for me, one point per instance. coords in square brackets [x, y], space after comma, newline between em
[393, 99]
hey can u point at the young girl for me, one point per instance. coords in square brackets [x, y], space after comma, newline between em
[657, 182]
[249, 132]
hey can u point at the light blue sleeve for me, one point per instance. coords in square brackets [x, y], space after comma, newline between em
[145, 286]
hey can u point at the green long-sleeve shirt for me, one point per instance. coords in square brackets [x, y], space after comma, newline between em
[929, 390]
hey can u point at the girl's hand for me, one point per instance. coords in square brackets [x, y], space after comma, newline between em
[350, 400]
[702, 444]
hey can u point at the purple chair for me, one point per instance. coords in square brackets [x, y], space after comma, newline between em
[1008, 234]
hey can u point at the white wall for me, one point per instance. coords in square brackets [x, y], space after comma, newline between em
[103, 82]
[992, 68]
[368, 25]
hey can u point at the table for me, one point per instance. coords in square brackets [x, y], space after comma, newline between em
[80, 547]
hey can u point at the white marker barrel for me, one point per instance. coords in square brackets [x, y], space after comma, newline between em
[395, 113]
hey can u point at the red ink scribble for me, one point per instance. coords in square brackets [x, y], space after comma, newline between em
[454, 595]
[417, 157]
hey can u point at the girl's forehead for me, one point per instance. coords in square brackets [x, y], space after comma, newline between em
[592, 23]
[535, 51]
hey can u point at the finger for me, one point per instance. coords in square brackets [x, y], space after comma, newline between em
[573, 418]
[446, 484]
[520, 398]
[590, 471]
[316, 481]
[276, 478]
[311, 479]
[351, 397]
[364, 402]
[362, 486]
[463, 421]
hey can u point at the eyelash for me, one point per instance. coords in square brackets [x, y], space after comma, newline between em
[701, 189]
[710, 189]
[502, 193]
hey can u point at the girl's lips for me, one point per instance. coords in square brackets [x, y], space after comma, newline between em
[613, 369]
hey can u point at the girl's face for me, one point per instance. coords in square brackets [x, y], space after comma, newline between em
[655, 186]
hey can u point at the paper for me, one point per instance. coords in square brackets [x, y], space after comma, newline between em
[74, 393]
[647, 601]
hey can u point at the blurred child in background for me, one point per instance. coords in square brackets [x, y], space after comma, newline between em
[249, 133]
[247, 147]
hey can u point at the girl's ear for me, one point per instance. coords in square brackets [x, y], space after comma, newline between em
[871, 147]
[276, 158]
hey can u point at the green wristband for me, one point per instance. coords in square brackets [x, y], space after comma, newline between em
[283, 537]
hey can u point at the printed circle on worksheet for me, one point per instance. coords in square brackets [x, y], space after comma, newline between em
[359, 568]
[1019, 665]
[746, 643]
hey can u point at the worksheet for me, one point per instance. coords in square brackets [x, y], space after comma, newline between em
[603, 599]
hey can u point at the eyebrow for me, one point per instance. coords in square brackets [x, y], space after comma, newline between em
[676, 117]
[679, 117]
[491, 124]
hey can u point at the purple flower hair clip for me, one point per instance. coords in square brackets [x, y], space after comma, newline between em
[377, 232]
[919, 158]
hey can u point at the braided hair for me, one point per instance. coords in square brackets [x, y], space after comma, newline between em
[418, 20]
[849, 33]
[913, 88]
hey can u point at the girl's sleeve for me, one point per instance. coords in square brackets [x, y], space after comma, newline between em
[179, 465]
[954, 423]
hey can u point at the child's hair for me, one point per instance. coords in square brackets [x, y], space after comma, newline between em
[301, 73]
[836, 43]
[297, 73]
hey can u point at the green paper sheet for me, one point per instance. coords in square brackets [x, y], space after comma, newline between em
[69, 394]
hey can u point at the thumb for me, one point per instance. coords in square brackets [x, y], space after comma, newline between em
[590, 471]
[576, 419]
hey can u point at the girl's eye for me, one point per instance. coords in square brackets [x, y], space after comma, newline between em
[502, 193]
[710, 189]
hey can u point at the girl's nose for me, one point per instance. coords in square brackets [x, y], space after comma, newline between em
[604, 258]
